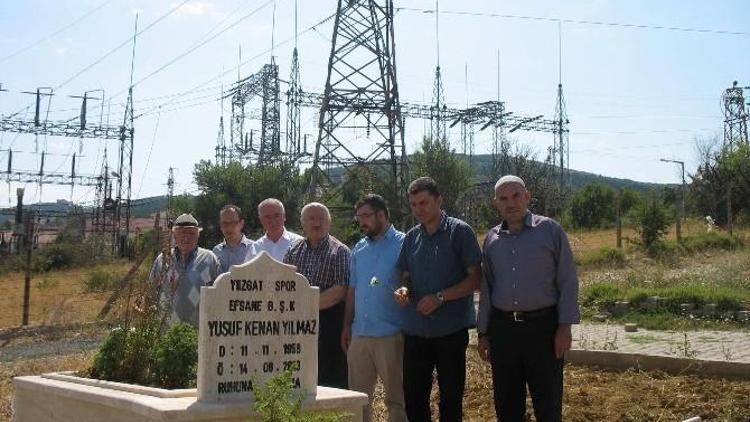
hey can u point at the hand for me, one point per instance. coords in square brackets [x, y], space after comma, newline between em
[563, 340]
[346, 337]
[402, 296]
[428, 304]
[483, 347]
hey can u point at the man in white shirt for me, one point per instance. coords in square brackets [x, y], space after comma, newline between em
[277, 239]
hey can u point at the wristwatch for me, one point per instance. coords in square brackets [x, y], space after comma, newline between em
[440, 296]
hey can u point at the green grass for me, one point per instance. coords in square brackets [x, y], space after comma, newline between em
[605, 256]
[722, 278]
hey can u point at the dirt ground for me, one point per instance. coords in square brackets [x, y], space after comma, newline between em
[590, 394]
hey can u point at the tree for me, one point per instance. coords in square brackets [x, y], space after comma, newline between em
[593, 206]
[652, 221]
[245, 187]
[720, 169]
[540, 177]
[452, 174]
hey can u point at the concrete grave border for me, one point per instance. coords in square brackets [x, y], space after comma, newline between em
[670, 365]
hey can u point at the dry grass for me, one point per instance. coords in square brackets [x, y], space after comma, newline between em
[590, 394]
[34, 367]
[57, 297]
[600, 395]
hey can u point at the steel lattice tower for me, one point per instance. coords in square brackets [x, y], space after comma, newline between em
[735, 116]
[361, 94]
[561, 149]
[293, 103]
[438, 125]
[125, 180]
[263, 85]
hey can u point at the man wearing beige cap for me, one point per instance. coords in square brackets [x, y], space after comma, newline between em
[527, 304]
[187, 268]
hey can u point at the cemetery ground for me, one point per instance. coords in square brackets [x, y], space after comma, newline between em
[64, 303]
[591, 394]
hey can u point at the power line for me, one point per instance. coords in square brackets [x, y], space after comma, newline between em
[230, 70]
[64, 28]
[198, 45]
[577, 21]
[123, 44]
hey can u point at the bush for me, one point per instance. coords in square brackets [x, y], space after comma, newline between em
[174, 359]
[603, 256]
[711, 240]
[100, 279]
[142, 355]
[55, 257]
[652, 222]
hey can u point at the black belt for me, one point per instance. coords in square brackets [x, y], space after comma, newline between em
[521, 316]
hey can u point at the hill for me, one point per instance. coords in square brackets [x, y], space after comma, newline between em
[145, 207]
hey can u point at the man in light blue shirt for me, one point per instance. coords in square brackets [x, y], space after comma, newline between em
[371, 336]
[236, 249]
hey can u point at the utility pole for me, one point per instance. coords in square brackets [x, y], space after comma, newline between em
[681, 215]
[29, 245]
[18, 229]
[619, 219]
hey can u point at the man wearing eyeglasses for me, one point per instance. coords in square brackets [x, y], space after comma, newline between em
[236, 247]
[372, 336]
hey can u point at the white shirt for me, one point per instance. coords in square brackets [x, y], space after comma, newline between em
[277, 249]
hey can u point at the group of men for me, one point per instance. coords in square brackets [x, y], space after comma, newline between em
[399, 306]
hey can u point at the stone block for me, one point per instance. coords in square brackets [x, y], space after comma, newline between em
[621, 308]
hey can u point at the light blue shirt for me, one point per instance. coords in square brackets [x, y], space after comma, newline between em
[234, 255]
[374, 277]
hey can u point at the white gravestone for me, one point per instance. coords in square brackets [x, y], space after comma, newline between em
[257, 320]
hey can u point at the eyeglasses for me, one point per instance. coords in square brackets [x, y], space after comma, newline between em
[364, 215]
[229, 223]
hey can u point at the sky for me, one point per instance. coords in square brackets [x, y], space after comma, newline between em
[642, 79]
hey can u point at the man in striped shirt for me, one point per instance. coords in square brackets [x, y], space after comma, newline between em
[324, 260]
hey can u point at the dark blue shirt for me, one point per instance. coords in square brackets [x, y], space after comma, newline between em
[437, 262]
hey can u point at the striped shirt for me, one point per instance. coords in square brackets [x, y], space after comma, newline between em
[324, 266]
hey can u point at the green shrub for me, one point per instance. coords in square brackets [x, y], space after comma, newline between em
[711, 240]
[99, 280]
[600, 295]
[652, 222]
[141, 355]
[54, 257]
[108, 361]
[603, 256]
[174, 359]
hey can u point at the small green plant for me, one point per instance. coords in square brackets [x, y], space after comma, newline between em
[685, 349]
[276, 401]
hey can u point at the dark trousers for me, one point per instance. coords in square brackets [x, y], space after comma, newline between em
[331, 359]
[421, 356]
[524, 353]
